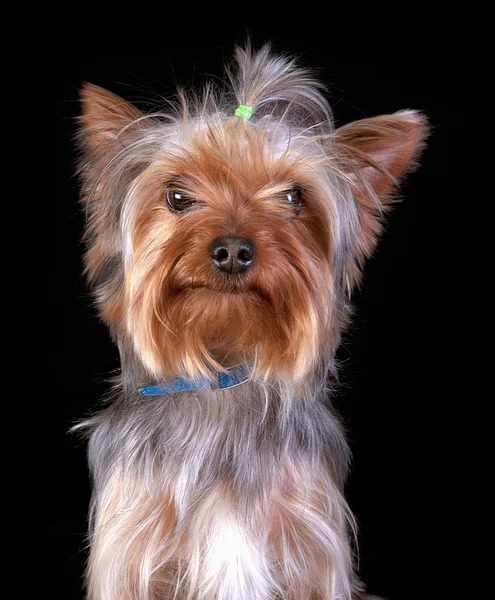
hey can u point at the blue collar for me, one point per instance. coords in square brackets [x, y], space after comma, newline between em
[234, 376]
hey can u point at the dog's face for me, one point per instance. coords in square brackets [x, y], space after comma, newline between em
[231, 251]
[215, 241]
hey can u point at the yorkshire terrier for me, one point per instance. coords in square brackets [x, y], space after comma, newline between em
[224, 237]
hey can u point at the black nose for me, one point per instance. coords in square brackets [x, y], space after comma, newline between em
[232, 254]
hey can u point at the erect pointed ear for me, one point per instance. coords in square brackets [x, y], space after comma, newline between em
[376, 153]
[382, 150]
[104, 116]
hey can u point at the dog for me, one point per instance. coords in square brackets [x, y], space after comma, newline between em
[223, 239]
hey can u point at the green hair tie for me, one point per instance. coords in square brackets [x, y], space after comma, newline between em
[243, 111]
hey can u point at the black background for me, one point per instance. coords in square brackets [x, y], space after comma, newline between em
[396, 358]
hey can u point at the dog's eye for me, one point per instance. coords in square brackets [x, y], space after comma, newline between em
[178, 200]
[294, 199]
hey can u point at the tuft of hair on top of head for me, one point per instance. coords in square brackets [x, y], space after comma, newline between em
[274, 85]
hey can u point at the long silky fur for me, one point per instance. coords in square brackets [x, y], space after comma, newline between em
[224, 461]
[235, 494]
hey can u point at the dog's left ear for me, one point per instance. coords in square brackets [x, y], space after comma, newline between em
[376, 153]
[383, 149]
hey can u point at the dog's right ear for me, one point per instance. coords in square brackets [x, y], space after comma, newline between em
[105, 117]
[106, 127]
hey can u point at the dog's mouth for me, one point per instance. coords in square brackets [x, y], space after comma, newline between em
[234, 296]
[239, 289]
[251, 295]
[224, 286]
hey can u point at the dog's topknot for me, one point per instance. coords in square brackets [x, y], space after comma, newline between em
[275, 85]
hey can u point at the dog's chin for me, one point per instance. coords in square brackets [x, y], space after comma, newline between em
[229, 323]
[198, 325]
[226, 308]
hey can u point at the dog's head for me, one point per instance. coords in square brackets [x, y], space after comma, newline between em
[216, 236]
